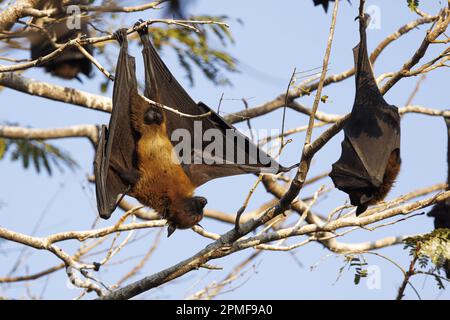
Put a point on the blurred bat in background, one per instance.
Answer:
(69, 64)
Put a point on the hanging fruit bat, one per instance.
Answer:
(441, 211)
(71, 62)
(139, 155)
(370, 158)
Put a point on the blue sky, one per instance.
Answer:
(275, 38)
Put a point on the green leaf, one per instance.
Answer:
(39, 152)
(36, 154)
(412, 4)
(433, 247)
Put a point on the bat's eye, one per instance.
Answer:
(202, 201)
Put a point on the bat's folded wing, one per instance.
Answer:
(115, 154)
(348, 172)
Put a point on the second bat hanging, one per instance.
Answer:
(370, 159)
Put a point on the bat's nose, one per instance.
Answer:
(203, 201)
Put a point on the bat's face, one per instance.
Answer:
(186, 213)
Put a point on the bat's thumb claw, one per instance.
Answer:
(121, 36)
(143, 30)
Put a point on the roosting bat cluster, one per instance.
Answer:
(160, 145)
(137, 154)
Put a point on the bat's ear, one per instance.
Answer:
(170, 230)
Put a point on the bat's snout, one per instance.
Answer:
(202, 201)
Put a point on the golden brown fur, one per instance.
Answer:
(163, 183)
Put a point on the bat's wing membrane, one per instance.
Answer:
(374, 133)
(115, 153)
(227, 159)
(348, 172)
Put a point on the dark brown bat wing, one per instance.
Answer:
(372, 132)
(115, 155)
(200, 165)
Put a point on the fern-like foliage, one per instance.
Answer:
(413, 4)
(41, 154)
(358, 264)
(195, 49)
(433, 247)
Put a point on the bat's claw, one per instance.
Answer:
(170, 230)
(97, 266)
(238, 218)
(142, 31)
(121, 35)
